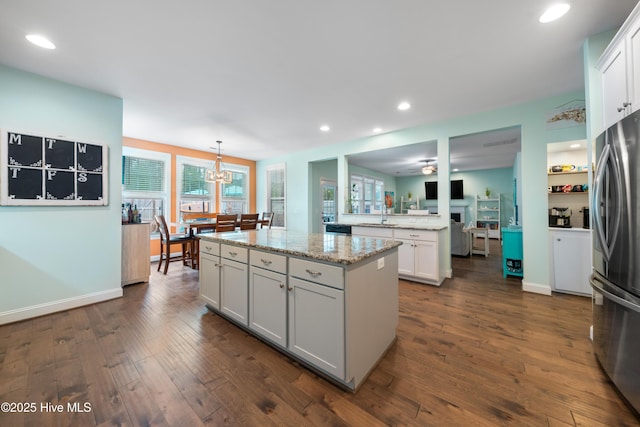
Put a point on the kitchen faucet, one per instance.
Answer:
(382, 212)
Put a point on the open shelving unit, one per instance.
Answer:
(488, 215)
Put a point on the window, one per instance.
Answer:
(367, 194)
(146, 182)
(235, 196)
(276, 194)
(193, 193)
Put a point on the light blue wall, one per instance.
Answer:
(531, 117)
(54, 257)
(499, 181)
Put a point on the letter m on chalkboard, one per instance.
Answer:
(15, 138)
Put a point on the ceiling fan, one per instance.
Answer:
(429, 169)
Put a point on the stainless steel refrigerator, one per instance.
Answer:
(616, 256)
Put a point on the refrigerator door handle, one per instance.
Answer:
(606, 160)
(621, 301)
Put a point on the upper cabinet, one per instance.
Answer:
(620, 67)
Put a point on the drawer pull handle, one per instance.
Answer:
(281, 285)
(314, 273)
(290, 288)
(208, 248)
(233, 253)
(265, 261)
(414, 235)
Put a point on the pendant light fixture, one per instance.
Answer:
(218, 174)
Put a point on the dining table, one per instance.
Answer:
(199, 226)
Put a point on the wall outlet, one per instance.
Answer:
(380, 263)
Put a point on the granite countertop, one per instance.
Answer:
(430, 227)
(329, 247)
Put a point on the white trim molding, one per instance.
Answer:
(536, 288)
(60, 305)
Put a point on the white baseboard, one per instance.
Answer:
(536, 288)
(60, 305)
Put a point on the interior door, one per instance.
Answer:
(329, 206)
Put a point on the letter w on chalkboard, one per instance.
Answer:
(40, 170)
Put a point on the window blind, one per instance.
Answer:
(140, 174)
(193, 183)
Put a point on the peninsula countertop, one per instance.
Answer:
(328, 247)
(407, 226)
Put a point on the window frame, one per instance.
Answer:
(197, 162)
(246, 190)
(165, 195)
(269, 170)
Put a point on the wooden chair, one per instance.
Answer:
(226, 222)
(248, 221)
(167, 240)
(267, 219)
(194, 216)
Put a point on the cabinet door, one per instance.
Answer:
(406, 257)
(268, 304)
(633, 67)
(614, 86)
(234, 301)
(571, 258)
(316, 325)
(210, 279)
(426, 260)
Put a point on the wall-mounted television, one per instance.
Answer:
(457, 190)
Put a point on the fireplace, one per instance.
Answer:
(457, 213)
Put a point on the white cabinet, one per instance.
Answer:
(316, 317)
(571, 261)
(488, 215)
(620, 68)
(268, 296)
(234, 283)
(210, 273)
(418, 255)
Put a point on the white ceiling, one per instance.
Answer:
(264, 75)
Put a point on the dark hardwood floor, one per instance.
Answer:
(476, 351)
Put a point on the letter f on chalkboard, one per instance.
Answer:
(50, 175)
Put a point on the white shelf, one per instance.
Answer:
(484, 207)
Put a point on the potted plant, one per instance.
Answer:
(487, 192)
(409, 195)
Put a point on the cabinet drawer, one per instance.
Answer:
(210, 248)
(268, 261)
(234, 252)
(324, 274)
(382, 233)
(427, 235)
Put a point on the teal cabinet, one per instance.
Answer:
(512, 251)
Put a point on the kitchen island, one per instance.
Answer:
(329, 301)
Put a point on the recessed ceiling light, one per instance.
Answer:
(455, 170)
(41, 41)
(575, 146)
(377, 130)
(325, 128)
(554, 12)
(404, 106)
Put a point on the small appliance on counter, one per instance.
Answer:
(585, 217)
(560, 217)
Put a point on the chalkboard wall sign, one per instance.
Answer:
(40, 170)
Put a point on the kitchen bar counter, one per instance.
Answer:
(329, 301)
(335, 248)
(407, 226)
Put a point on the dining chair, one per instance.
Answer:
(267, 219)
(248, 221)
(167, 240)
(226, 222)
